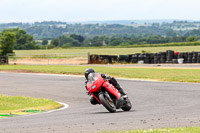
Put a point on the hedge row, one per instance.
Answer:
(169, 56)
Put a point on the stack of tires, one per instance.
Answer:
(130, 58)
(94, 59)
(104, 59)
(151, 58)
(140, 58)
(123, 59)
(157, 58)
(185, 56)
(169, 56)
(198, 57)
(147, 58)
(112, 58)
(163, 57)
(180, 56)
(134, 58)
(190, 55)
(194, 57)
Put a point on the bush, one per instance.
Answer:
(50, 46)
(66, 45)
(7, 41)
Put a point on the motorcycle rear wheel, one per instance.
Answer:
(109, 105)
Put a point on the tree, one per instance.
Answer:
(23, 40)
(7, 41)
(115, 42)
(96, 41)
(87, 42)
(77, 37)
(44, 42)
(50, 46)
(68, 40)
(66, 46)
(55, 41)
(191, 39)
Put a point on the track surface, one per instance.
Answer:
(156, 104)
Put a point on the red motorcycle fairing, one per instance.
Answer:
(95, 84)
(112, 89)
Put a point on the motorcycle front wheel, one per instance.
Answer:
(127, 105)
(107, 103)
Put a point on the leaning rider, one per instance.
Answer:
(112, 80)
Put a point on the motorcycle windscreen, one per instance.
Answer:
(95, 82)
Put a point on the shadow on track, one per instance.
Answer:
(114, 112)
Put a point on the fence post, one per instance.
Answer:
(7, 58)
(89, 58)
(48, 59)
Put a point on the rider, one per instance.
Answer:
(112, 80)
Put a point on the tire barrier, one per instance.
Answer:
(3, 60)
(123, 58)
(169, 56)
(103, 59)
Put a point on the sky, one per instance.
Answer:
(97, 10)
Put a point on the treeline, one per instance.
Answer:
(91, 30)
(51, 29)
(19, 39)
(79, 41)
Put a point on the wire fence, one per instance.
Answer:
(49, 59)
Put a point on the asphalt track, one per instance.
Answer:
(156, 105)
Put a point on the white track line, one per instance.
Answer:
(51, 111)
(62, 108)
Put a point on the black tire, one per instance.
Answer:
(127, 106)
(105, 103)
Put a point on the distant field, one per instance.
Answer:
(110, 51)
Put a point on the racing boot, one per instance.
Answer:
(114, 82)
(120, 90)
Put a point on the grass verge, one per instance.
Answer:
(164, 130)
(160, 74)
(18, 105)
(109, 51)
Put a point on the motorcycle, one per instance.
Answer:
(106, 94)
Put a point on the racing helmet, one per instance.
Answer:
(88, 71)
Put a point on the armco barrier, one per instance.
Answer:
(169, 56)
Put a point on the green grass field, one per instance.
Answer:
(160, 74)
(15, 104)
(163, 130)
(110, 51)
